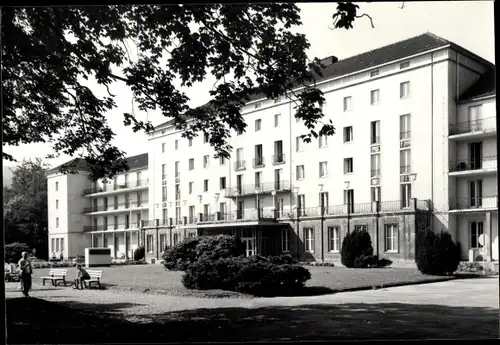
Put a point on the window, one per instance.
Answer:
(257, 124)
(149, 243)
(222, 160)
(300, 172)
(164, 215)
(404, 89)
(349, 199)
(374, 73)
(163, 242)
(258, 105)
(190, 187)
(223, 209)
(277, 118)
(139, 198)
(57, 244)
(474, 116)
(162, 147)
(323, 141)
(115, 222)
(361, 227)
(127, 221)
(115, 201)
(176, 144)
(375, 165)
(191, 214)
(391, 238)
(239, 154)
(205, 185)
(258, 160)
(206, 158)
(298, 144)
(258, 179)
(57, 222)
(279, 157)
(206, 138)
(105, 226)
(323, 200)
(475, 193)
(285, 240)
(53, 245)
(177, 171)
(323, 169)
(309, 239)
(404, 65)
(375, 191)
(375, 132)
(348, 165)
(347, 103)
(405, 161)
(190, 142)
(348, 135)
(222, 182)
(57, 186)
(405, 195)
(374, 97)
(191, 163)
(333, 239)
(105, 202)
(57, 204)
(177, 191)
(164, 193)
(176, 239)
(301, 204)
(163, 171)
(404, 127)
(476, 230)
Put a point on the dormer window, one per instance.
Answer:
(404, 65)
(374, 73)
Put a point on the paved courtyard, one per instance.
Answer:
(453, 309)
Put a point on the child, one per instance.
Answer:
(82, 275)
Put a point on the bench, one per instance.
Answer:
(56, 275)
(95, 278)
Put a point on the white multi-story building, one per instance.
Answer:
(83, 213)
(415, 148)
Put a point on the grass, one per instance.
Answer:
(154, 279)
(38, 321)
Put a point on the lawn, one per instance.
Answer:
(154, 279)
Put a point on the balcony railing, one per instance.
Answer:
(474, 202)
(489, 162)
(486, 124)
(404, 135)
(241, 215)
(405, 169)
(262, 188)
(110, 188)
(240, 165)
(110, 227)
(278, 158)
(112, 207)
(258, 162)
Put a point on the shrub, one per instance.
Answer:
(437, 254)
(357, 250)
(256, 275)
(139, 253)
(180, 256)
(13, 251)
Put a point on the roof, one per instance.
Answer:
(79, 164)
(485, 86)
(395, 51)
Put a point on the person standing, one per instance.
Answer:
(26, 269)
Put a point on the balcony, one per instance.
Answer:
(477, 167)
(258, 162)
(240, 165)
(474, 204)
(239, 216)
(113, 227)
(279, 159)
(478, 129)
(263, 188)
(115, 208)
(135, 185)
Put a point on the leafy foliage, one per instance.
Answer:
(178, 257)
(50, 56)
(139, 253)
(25, 207)
(357, 249)
(13, 251)
(254, 275)
(437, 253)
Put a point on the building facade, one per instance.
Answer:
(415, 148)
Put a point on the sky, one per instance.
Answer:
(393, 21)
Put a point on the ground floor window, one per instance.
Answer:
(285, 240)
(149, 243)
(391, 237)
(249, 240)
(176, 239)
(333, 238)
(95, 244)
(309, 239)
(163, 239)
(476, 230)
(105, 240)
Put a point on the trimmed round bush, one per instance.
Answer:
(437, 254)
(139, 253)
(178, 257)
(357, 250)
(13, 251)
(254, 275)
